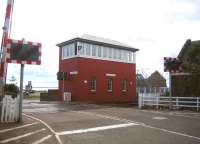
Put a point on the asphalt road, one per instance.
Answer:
(75, 123)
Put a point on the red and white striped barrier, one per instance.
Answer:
(6, 35)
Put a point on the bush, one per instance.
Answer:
(11, 89)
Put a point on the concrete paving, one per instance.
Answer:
(78, 123)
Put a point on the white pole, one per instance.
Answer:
(177, 103)
(21, 92)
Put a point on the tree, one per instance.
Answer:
(191, 60)
(11, 89)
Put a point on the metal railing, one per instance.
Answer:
(161, 90)
(151, 99)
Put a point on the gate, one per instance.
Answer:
(10, 109)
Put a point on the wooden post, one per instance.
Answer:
(170, 91)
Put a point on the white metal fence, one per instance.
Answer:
(150, 99)
(160, 90)
(10, 109)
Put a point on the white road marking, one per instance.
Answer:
(22, 136)
(10, 129)
(57, 137)
(126, 121)
(140, 123)
(172, 114)
(96, 129)
(42, 139)
(108, 117)
(173, 132)
(159, 118)
(186, 116)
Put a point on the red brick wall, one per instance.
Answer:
(88, 68)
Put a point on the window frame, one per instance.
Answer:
(93, 50)
(110, 53)
(87, 49)
(104, 49)
(80, 49)
(124, 85)
(99, 51)
(110, 84)
(93, 84)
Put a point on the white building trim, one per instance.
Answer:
(111, 75)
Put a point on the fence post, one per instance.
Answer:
(143, 96)
(140, 101)
(3, 109)
(177, 104)
(157, 102)
(197, 103)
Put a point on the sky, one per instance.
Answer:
(158, 28)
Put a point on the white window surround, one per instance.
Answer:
(112, 54)
(111, 75)
(73, 72)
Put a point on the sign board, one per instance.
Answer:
(172, 65)
(23, 52)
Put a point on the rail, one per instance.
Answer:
(150, 99)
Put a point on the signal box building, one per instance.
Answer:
(97, 70)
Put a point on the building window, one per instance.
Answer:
(133, 57)
(71, 50)
(80, 48)
(104, 52)
(110, 85)
(125, 56)
(115, 53)
(110, 53)
(93, 84)
(99, 51)
(64, 52)
(119, 55)
(124, 85)
(87, 47)
(129, 57)
(67, 51)
(94, 50)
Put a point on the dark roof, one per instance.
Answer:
(98, 41)
(188, 44)
(157, 80)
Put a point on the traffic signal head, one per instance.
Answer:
(61, 75)
(172, 65)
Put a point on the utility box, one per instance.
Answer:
(67, 96)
